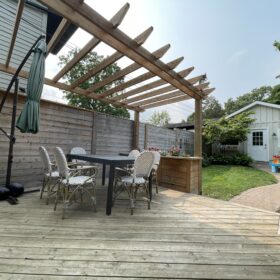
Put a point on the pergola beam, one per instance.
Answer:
(146, 76)
(151, 85)
(115, 21)
(88, 19)
(140, 39)
(198, 139)
(136, 130)
(15, 30)
(127, 70)
(64, 24)
(66, 87)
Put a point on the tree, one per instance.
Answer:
(211, 109)
(90, 61)
(258, 94)
(274, 96)
(228, 131)
(276, 44)
(160, 118)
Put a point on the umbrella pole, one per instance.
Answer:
(11, 137)
(12, 134)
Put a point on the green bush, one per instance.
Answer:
(206, 161)
(238, 159)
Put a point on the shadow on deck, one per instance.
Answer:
(183, 236)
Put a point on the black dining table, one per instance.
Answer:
(112, 161)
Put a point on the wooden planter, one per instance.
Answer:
(180, 173)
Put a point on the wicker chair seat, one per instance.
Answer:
(78, 180)
(131, 180)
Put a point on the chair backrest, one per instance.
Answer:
(61, 163)
(143, 164)
(78, 151)
(157, 160)
(134, 153)
(157, 157)
(46, 159)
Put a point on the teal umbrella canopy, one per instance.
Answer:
(29, 119)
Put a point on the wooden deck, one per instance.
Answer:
(183, 236)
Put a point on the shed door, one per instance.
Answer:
(258, 144)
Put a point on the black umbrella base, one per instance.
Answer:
(10, 192)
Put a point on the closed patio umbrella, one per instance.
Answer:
(29, 118)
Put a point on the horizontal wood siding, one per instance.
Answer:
(114, 135)
(32, 25)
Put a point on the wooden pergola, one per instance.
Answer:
(170, 87)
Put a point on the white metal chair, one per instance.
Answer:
(134, 153)
(81, 163)
(124, 171)
(51, 175)
(72, 182)
(139, 179)
(155, 168)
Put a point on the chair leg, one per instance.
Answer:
(94, 197)
(156, 183)
(65, 200)
(132, 198)
(48, 191)
(56, 197)
(148, 196)
(43, 187)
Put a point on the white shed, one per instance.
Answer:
(264, 137)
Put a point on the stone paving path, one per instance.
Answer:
(266, 197)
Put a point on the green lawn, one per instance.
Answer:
(225, 182)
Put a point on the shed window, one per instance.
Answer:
(257, 138)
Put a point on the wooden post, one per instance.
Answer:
(94, 133)
(198, 139)
(146, 139)
(135, 144)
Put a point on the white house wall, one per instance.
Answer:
(266, 117)
(26, 36)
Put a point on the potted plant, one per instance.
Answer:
(276, 159)
(174, 151)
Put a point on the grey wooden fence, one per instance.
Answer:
(67, 127)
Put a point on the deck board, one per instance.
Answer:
(183, 236)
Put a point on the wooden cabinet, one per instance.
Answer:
(180, 173)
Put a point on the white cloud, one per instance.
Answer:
(53, 94)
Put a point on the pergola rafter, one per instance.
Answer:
(175, 99)
(64, 24)
(127, 70)
(115, 21)
(146, 87)
(134, 81)
(140, 39)
(156, 92)
(15, 30)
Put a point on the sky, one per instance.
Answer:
(229, 40)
